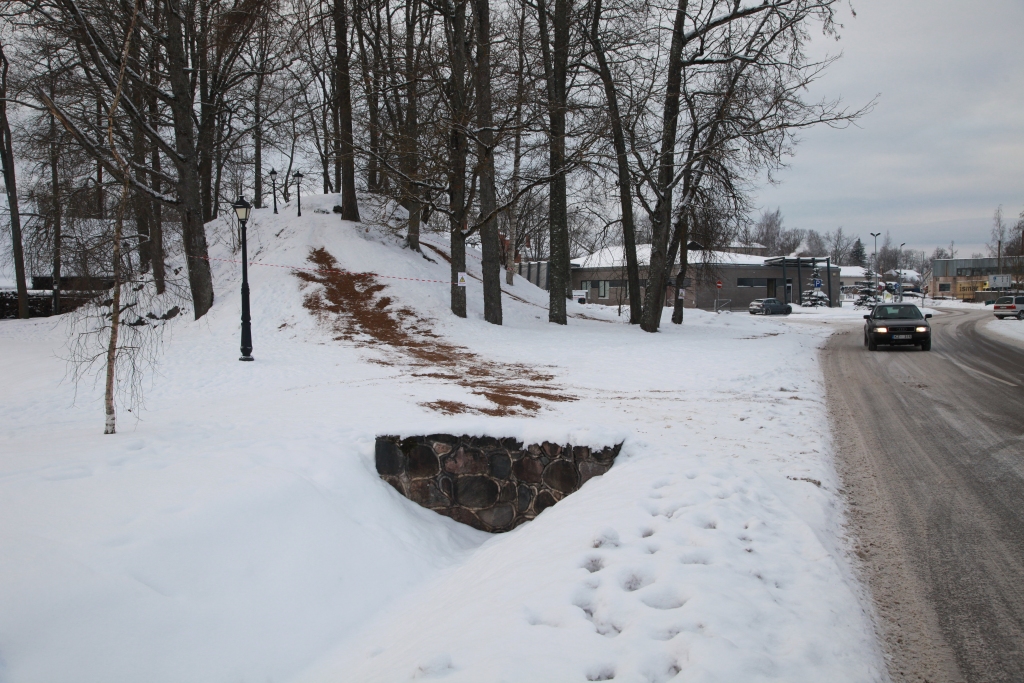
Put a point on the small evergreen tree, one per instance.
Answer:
(814, 296)
(857, 255)
(867, 293)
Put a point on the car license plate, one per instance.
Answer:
(902, 336)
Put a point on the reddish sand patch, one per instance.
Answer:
(350, 304)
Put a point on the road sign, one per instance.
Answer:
(461, 280)
(718, 284)
(817, 284)
(999, 281)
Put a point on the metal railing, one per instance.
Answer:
(721, 304)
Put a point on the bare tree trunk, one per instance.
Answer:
(100, 201)
(684, 253)
(517, 151)
(343, 93)
(115, 324)
(7, 161)
(207, 114)
(655, 293)
(489, 242)
(257, 135)
(622, 167)
(55, 210)
(556, 57)
(141, 204)
(411, 133)
(189, 188)
(458, 152)
(156, 226)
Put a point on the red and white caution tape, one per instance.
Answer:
(323, 270)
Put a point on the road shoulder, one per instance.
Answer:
(906, 624)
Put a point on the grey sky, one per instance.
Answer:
(945, 144)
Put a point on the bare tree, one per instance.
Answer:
(10, 184)
(838, 245)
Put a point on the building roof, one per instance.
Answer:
(908, 274)
(852, 271)
(614, 257)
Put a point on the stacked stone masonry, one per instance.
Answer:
(490, 484)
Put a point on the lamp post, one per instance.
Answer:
(242, 209)
(875, 235)
(899, 269)
(273, 182)
(298, 189)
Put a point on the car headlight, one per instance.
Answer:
(881, 329)
(921, 329)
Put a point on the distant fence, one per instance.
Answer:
(536, 272)
(74, 292)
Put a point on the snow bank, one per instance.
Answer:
(239, 532)
(1008, 329)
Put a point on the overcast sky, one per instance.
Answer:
(945, 144)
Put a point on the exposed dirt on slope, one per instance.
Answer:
(353, 307)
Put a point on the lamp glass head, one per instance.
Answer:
(242, 208)
(297, 175)
(273, 173)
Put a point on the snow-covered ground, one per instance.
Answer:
(237, 531)
(1008, 328)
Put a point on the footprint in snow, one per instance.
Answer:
(607, 539)
(604, 627)
(635, 580)
(438, 667)
(601, 673)
(663, 599)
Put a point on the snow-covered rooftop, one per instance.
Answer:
(614, 257)
(908, 274)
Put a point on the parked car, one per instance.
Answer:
(1009, 307)
(897, 324)
(769, 306)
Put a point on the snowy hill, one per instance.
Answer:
(239, 531)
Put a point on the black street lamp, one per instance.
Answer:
(899, 266)
(298, 189)
(273, 181)
(242, 209)
(875, 235)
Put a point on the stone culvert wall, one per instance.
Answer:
(491, 484)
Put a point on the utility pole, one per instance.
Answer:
(875, 235)
(899, 267)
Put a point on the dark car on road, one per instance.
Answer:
(897, 324)
(768, 307)
(1009, 307)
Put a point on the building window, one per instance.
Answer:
(752, 282)
(944, 286)
(584, 285)
(602, 289)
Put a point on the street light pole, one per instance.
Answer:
(273, 181)
(899, 266)
(298, 189)
(875, 235)
(242, 209)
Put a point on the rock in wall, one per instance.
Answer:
(491, 484)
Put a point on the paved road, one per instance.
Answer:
(931, 448)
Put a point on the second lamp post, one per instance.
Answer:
(273, 180)
(242, 209)
(298, 189)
